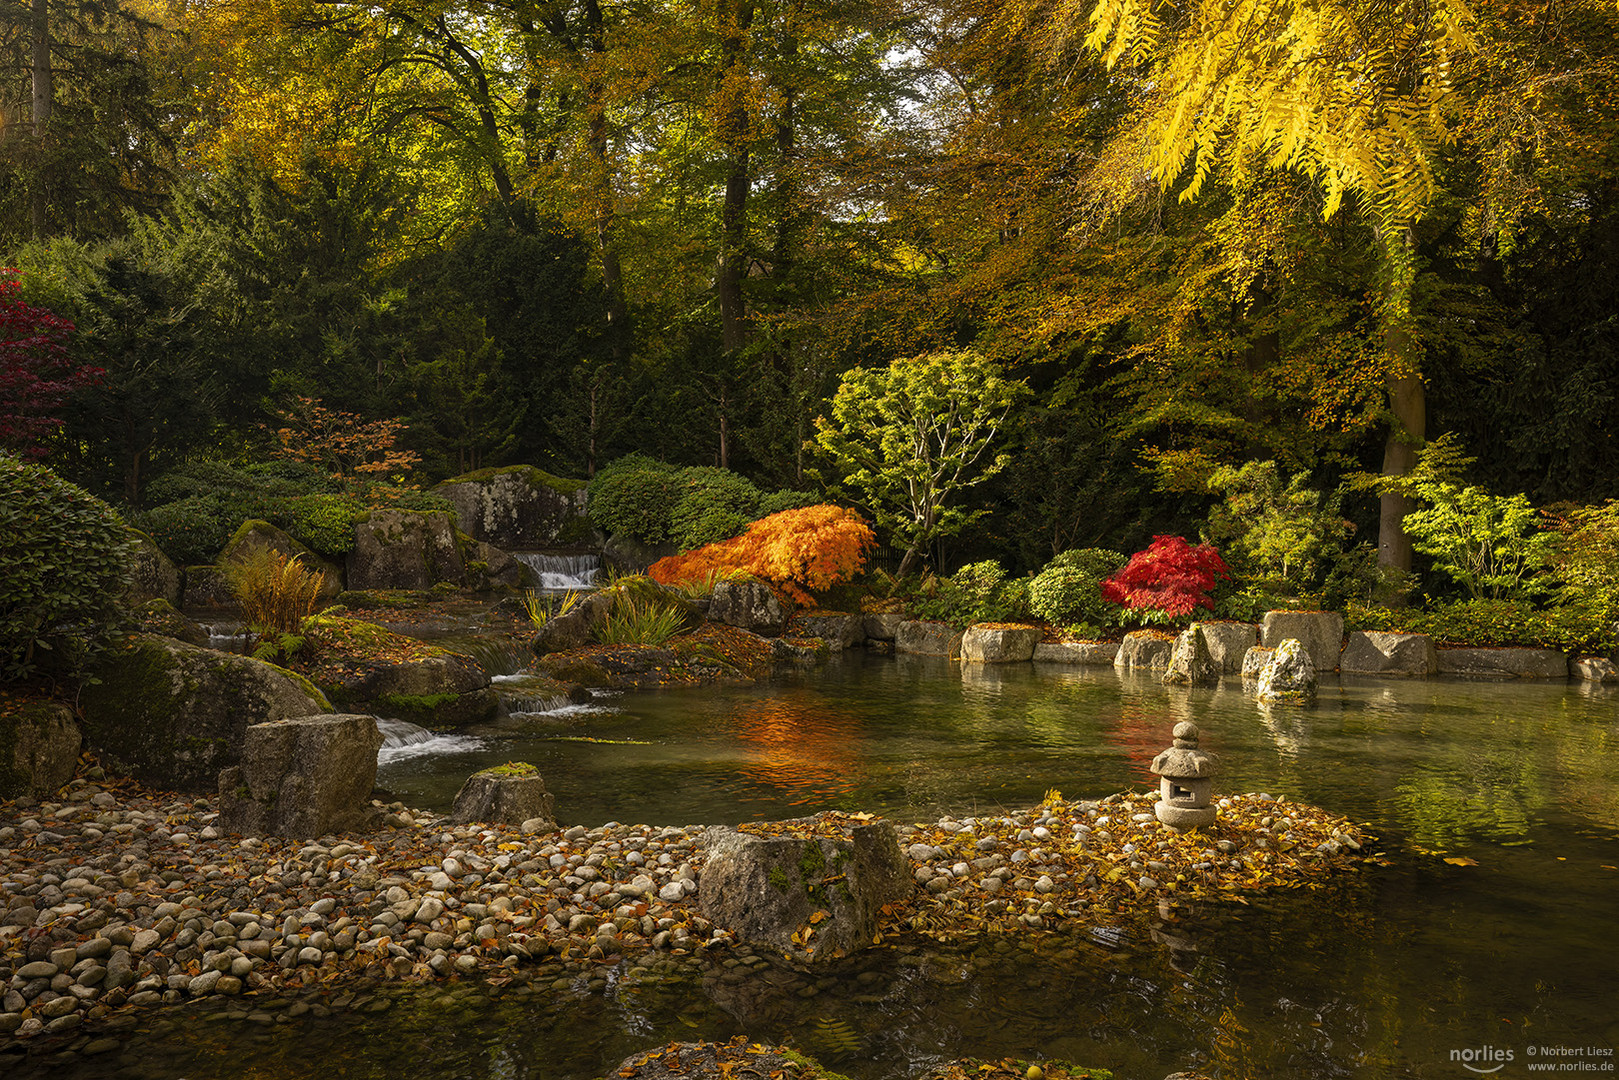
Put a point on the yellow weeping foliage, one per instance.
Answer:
(1358, 95)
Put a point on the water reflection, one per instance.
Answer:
(809, 751)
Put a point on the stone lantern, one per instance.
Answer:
(1186, 781)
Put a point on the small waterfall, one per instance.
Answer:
(528, 706)
(226, 637)
(561, 571)
(403, 740)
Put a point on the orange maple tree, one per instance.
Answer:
(798, 551)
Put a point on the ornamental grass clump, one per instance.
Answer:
(276, 592)
(635, 620)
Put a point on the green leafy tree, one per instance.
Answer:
(1275, 528)
(1492, 545)
(911, 439)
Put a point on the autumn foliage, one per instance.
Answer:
(1170, 577)
(342, 443)
(813, 548)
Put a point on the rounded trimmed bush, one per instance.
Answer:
(633, 497)
(65, 559)
(714, 505)
(1068, 591)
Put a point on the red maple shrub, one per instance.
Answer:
(1171, 577)
(36, 374)
(813, 548)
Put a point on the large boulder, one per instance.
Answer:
(1504, 663)
(152, 574)
(258, 536)
(518, 508)
(1254, 661)
(491, 568)
(1374, 652)
(159, 617)
(302, 777)
(206, 589)
(1190, 663)
(749, 605)
(1289, 674)
(925, 638)
(808, 895)
(39, 748)
(999, 644)
(365, 668)
(882, 625)
(1320, 632)
(1096, 653)
(405, 549)
(1596, 669)
(1144, 650)
(173, 715)
(511, 794)
(1228, 643)
(838, 629)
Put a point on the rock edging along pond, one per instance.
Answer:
(120, 897)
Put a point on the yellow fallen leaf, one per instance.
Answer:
(1459, 861)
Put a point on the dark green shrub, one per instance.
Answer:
(192, 530)
(775, 502)
(714, 505)
(1099, 563)
(634, 497)
(64, 560)
(324, 523)
(1493, 623)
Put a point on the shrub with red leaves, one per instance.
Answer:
(1170, 577)
(36, 374)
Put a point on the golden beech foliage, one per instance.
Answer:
(798, 551)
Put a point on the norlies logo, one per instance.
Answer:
(1474, 1058)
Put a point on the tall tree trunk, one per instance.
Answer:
(44, 96)
(1408, 407)
(605, 211)
(736, 18)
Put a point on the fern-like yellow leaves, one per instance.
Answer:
(1355, 94)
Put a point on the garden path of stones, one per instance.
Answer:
(113, 898)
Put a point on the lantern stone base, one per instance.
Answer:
(1184, 817)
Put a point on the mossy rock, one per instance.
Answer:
(152, 574)
(173, 715)
(255, 536)
(519, 507)
(406, 549)
(159, 617)
(39, 747)
(365, 667)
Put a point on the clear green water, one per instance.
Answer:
(1383, 976)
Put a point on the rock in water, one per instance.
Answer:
(999, 645)
(749, 605)
(302, 777)
(810, 897)
(1288, 675)
(1191, 664)
(505, 795)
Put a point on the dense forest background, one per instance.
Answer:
(556, 233)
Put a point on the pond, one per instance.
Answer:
(1411, 969)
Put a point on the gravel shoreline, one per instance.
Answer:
(114, 898)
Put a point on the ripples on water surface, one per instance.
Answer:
(1382, 976)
